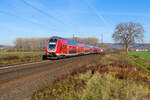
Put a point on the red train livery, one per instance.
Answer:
(58, 47)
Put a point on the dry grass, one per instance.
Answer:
(108, 87)
(22, 58)
(109, 78)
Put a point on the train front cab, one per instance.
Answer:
(51, 48)
(60, 48)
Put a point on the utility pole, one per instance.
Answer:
(102, 39)
(101, 44)
(73, 37)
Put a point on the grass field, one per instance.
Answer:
(145, 55)
(139, 59)
(19, 57)
(14, 53)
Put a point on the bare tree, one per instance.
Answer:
(128, 33)
(30, 44)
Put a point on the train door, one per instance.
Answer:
(61, 51)
(70, 49)
(64, 47)
(76, 49)
(67, 49)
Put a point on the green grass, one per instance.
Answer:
(15, 58)
(139, 59)
(145, 55)
(14, 53)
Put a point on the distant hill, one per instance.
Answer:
(4, 46)
(141, 46)
(112, 46)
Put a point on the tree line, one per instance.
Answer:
(39, 44)
(30, 44)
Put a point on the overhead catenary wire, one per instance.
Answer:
(42, 12)
(22, 18)
(70, 22)
(11, 14)
(99, 15)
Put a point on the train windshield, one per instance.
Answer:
(52, 46)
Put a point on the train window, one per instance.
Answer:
(50, 40)
(52, 46)
(53, 40)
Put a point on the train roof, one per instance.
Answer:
(72, 42)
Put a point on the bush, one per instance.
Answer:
(111, 77)
(16, 58)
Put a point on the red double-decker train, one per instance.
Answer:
(58, 47)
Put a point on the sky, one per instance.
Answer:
(83, 18)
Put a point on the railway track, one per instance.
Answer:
(19, 82)
(18, 64)
(19, 71)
